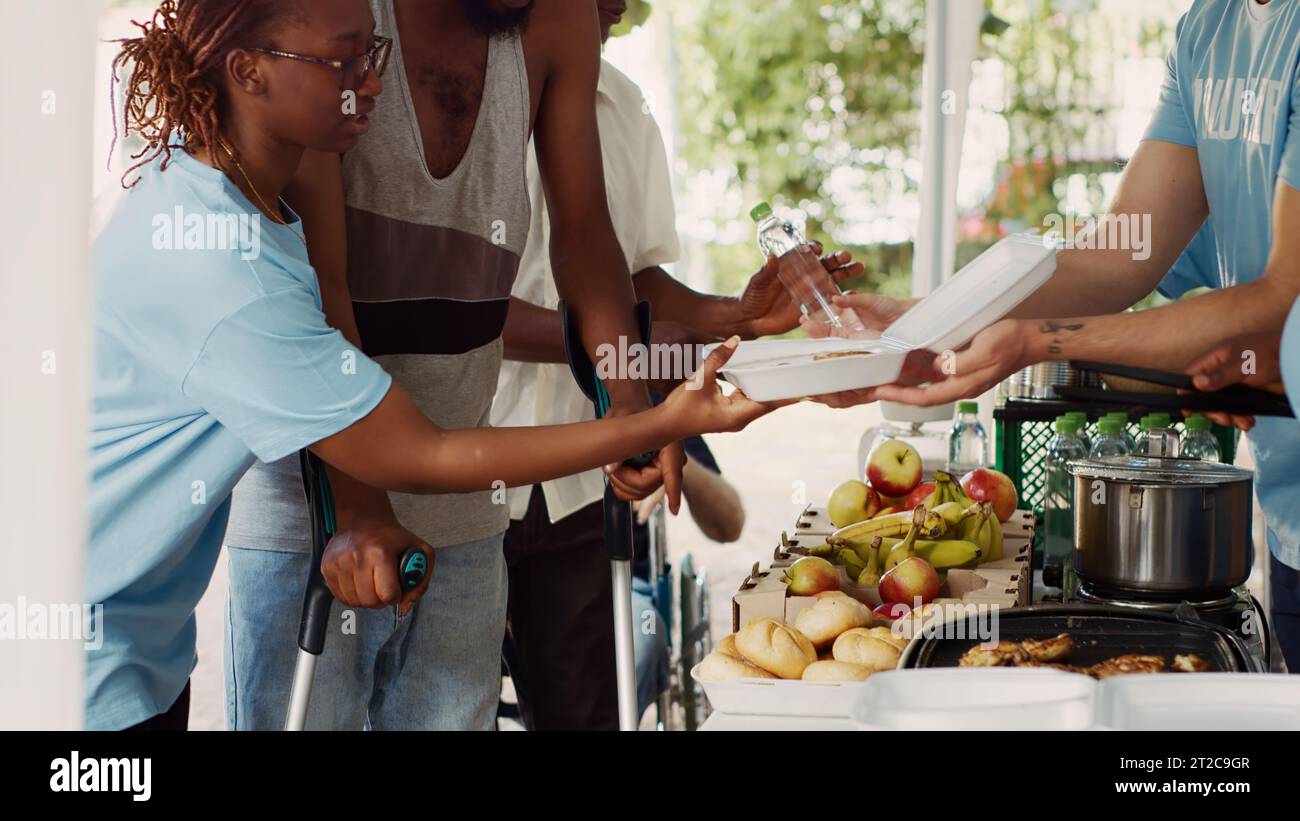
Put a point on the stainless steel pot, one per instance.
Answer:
(1158, 526)
(1040, 381)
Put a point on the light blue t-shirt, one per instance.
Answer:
(1231, 92)
(1291, 357)
(210, 349)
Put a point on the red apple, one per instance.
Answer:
(909, 580)
(918, 495)
(852, 501)
(894, 468)
(892, 610)
(811, 575)
(988, 485)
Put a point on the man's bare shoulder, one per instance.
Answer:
(556, 27)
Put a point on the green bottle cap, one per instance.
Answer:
(968, 407)
(1119, 416)
(760, 212)
(1160, 420)
(1109, 424)
(1144, 423)
(1079, 415)
(1065, 424)
(1197, 422)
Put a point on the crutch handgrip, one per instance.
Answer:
(412, 567)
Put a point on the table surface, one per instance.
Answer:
(727, 722)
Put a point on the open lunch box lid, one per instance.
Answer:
(981, 293)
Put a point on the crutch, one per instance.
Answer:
(316, 600)
(618, 518)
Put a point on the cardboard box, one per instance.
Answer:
(1003, 583)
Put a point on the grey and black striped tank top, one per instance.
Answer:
(431, 263)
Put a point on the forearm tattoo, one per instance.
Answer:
(1051, 326)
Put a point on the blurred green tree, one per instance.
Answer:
(781, 97)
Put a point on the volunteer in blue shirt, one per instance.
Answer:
(1274, 365)
(211, 347)
(1224, 144)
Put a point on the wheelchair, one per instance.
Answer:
(681, 704)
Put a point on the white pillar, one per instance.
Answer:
(47, 82)
(951, 37)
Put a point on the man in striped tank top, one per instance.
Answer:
(416, 237)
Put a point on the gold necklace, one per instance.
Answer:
(258, 194)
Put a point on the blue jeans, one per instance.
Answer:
(1284, 590)
(651, 644)
(437, 668)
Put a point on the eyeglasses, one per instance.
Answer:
(352, 73)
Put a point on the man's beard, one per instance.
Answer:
(495, 23)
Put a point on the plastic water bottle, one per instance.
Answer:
(968, 444)
(1081, 419)
(801, 272)
(1058, 507)
(1109, 441)
(1155, 437)
(1122, 418)
(1199, 443)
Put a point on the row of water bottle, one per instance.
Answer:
(1155, 438)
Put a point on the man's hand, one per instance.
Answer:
(631, 483)
(994, 354)
(766, 307)
(646, 507)
(875, 312)
(997, 352)
(1253, 360)
(360, 566)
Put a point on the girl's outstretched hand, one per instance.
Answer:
(698, 405)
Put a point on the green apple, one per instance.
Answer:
(852, 502)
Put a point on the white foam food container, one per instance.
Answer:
(981, 293)
(1200, 701)
(780, 697)
(975, 698)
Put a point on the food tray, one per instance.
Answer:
(1099, 633)
(990, 698)
(1202, 701)
(978, 295)
(780, 697)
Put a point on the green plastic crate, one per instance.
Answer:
(1023, 430)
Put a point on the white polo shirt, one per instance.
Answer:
(639, 190)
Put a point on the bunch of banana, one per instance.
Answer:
(942, 553)
(852, 562)
(871, 574)
(894, 525)
(954, 514)
(985, 531)
(946, 489)
(906, 549)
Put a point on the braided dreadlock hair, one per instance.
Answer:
(176, 83)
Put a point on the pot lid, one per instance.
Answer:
(1159, 470)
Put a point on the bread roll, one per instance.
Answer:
(888, 635)
(778, 649)
(835, 671)
(727, 647)
(719, 667)
(832, 613)
(858, 646)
